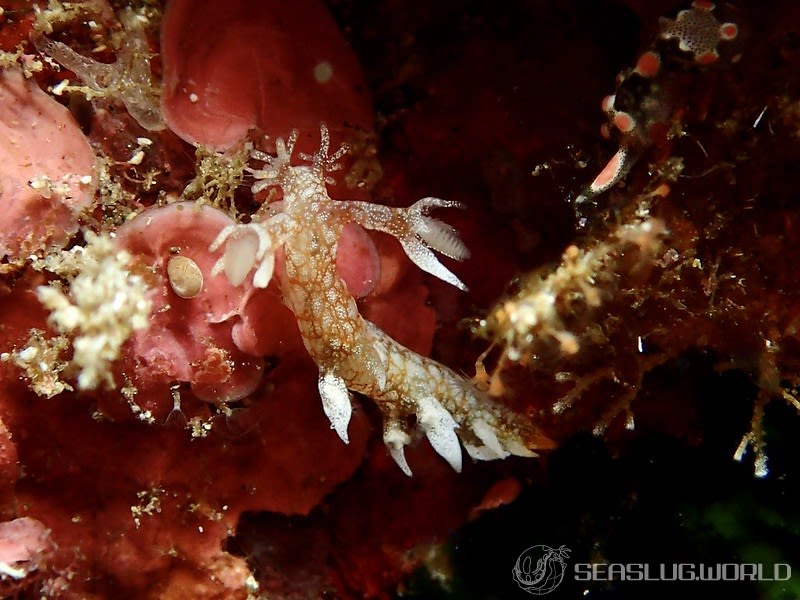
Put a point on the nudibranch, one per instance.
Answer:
(413, 392)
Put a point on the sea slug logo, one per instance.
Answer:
(540, 569)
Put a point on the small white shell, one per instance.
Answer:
(185, 277)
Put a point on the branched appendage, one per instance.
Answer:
(248, 245)
(322, 161)
(754, 438)
(129, 79)
(770, 385)
(275, 167)
(418, 233)
(352, 353)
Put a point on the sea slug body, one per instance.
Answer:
(351, 352)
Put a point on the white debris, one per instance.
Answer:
(103, 305)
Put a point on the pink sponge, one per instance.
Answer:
(46, 165)
(188, 339)
(271, 65)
